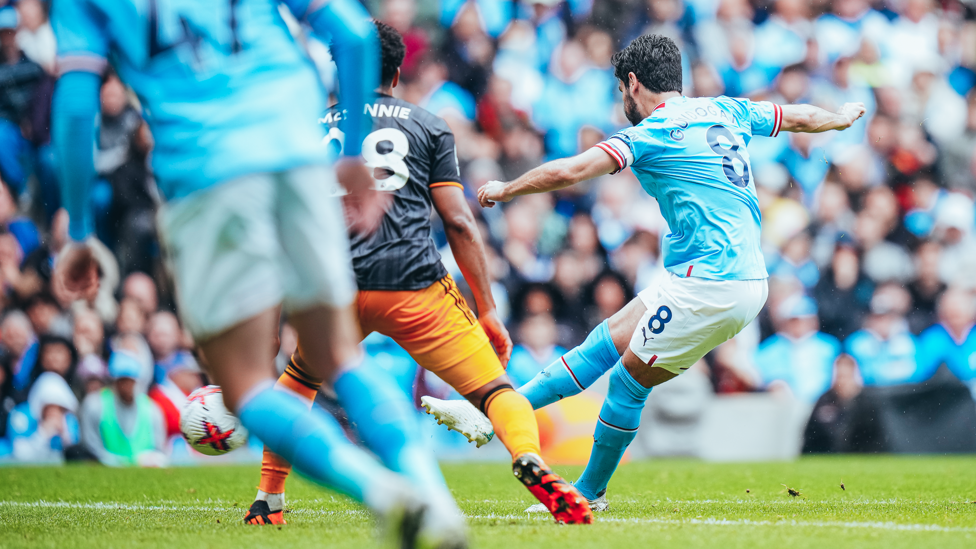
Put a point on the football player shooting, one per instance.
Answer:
(690, 154)
(406, 293)
(249, 224)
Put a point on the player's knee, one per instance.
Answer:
(645, 373)
(623, 323)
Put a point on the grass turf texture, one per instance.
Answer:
(889, 501)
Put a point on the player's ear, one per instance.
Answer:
(632, 82)
(396, 78)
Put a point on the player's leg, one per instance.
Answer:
(269, 503)
(685, 319)
(513, 421)
(586, 363)
(619, 419)
(310, 439)
(444, 336)
(224, 252)
(314, 242)
(568, 376)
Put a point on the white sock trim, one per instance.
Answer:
(276, 502)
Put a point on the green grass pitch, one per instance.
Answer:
(888, 502)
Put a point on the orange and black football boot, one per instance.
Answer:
(564, 501)
(260, 513)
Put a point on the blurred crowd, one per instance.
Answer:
(868, 234)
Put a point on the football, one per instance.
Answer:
(208, 425)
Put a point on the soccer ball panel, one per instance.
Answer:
(208, 426)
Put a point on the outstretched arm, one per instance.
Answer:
(810, 119)
(355, 48)
(469, 252)
(550, 176)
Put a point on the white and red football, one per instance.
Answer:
(208, 425)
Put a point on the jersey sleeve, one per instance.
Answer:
(82, 37)
(444, 169)
(620, 148)
(765, 118)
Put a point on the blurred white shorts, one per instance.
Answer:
(688, 317)
(244, 246)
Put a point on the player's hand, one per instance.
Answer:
(498, 335)
(364, 206)
(76, 272)
(849, 113)
(491, 192)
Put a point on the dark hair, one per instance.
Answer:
(49, 340)
(654, 59)
(392, 51)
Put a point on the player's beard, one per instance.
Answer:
(630, 110)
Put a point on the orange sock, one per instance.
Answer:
(274, 469)
(514, 421)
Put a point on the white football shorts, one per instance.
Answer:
(247, 245)
(688, 317)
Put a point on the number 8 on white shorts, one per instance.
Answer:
(688, 317)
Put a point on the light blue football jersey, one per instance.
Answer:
(226, 89)
(690, 154)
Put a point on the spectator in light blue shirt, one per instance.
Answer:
(885, 348)
(953, 340)
(537, 349)
(575, 94)
(799, 355)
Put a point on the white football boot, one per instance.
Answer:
(461, 416)
(597, 505)
(409, 519)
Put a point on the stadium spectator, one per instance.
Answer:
(26, 237)
(957, 155)
(35, 37)
(884, 349)
(536, 349)
(165, 338)
(19, 78)
(57, 355)
(132, 319)
(952, 341)
(20, 350)
(799, 355)
(927, 288)
(89, 341)
(122, 198)
(41, 429)
(141, 288)
(120, 425)
(35, 274)
(827, 429)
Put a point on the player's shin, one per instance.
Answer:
(615, 430)
(574, 371)
(386, 421)
(313, 442)
(514, 422)
(274, 469)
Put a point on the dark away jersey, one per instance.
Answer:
(410, 151)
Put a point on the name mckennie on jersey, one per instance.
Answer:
(374, 110)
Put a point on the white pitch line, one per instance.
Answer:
(891, 526)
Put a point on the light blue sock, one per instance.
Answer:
(312, 442)
(387, 422)
(615, 430)
(574, 371)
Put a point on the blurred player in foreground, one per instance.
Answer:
(406, 293)
(690, 154)
(249, 224)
